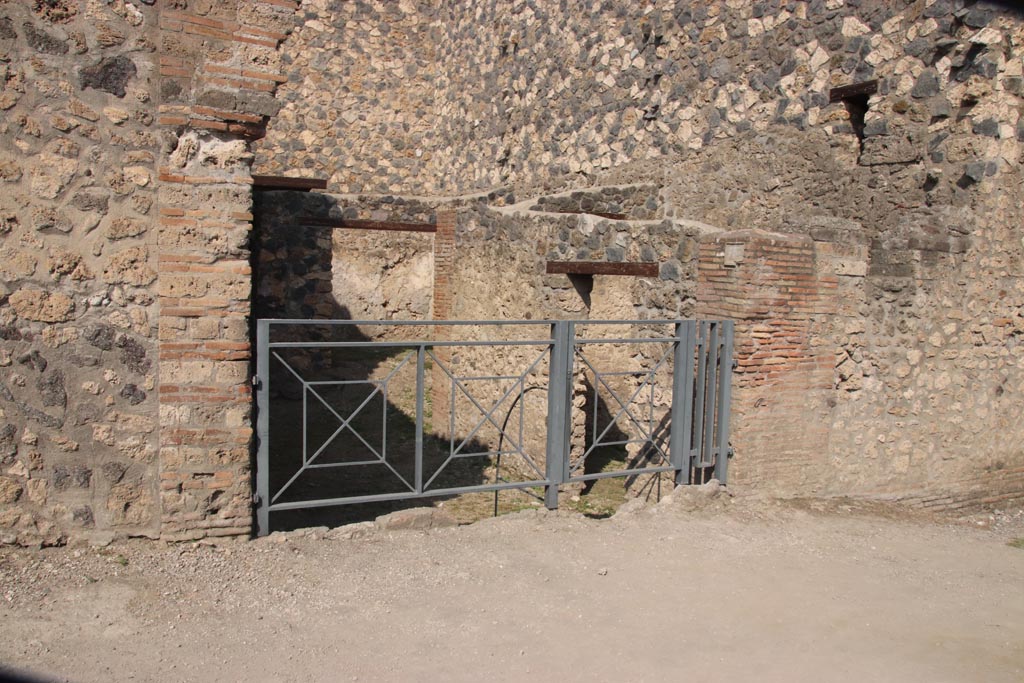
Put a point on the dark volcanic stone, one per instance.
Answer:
(109, 75)
(975, 171)
(7, 31)
(133, 354)
(876, 127)
(51, 389)
(979, 16)
(113, 472)
(40, 41)
(922, 48)
(940, 109)
(8, 446)
(927, 84)
(75, 476)
(90, 200)
(83, 515)
(133, 393)
(101, 336)
(989, 127)
(940, 8)
(34, 360)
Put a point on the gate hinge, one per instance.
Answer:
(256, 383)
(731, 452)
(735, 363)
(256, 499)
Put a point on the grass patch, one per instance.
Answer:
(1017, 543)
(472, 507)
(604, 496)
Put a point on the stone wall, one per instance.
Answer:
(78, 314)
(555, 131)
(317, 271)
(508, 101)
(124, 296)
(368, 69)
(906, 200)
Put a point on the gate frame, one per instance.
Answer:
(701, 441)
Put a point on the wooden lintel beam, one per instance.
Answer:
(856, 89)
(645, 269)
(356, 224)
(602, 214)
(276, 182)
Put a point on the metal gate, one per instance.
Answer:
(346, 416)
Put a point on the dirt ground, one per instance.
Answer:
(723, 589)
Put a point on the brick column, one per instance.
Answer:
(768, 284)
(204, 294)
(444, 262)
(219, 69)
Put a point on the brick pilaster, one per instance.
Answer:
(444, 263)
(218, 76)
(204, 293)
(768, 284)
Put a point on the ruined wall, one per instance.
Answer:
(78, 416)
(910, 198)
(124, 274)
(318, 271)
(928, 374)
(557, 131)
(782, 388)
(384, 277)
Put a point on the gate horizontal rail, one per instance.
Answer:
(692, 365)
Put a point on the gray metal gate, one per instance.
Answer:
(657, 389)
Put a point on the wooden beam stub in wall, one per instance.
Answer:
(280, 182)
(843, 92)
(602, 214)
(645, 269)
(356, 224)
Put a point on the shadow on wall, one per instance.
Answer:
(328, 440)
(604, 415)
(348, 429)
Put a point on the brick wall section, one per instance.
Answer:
(220, 67)
(204, 356)
(784, 376)
(218, 73)
(444, 266)
(444, 262)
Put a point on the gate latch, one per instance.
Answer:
(256, 382)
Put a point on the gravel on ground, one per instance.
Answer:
(702, 586)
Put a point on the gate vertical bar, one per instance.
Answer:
(712, 375)
(682, 400)
(697, 433)
(570, 360)
(724, 402)
(262, 427)
(421, 389)
(559, 399)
